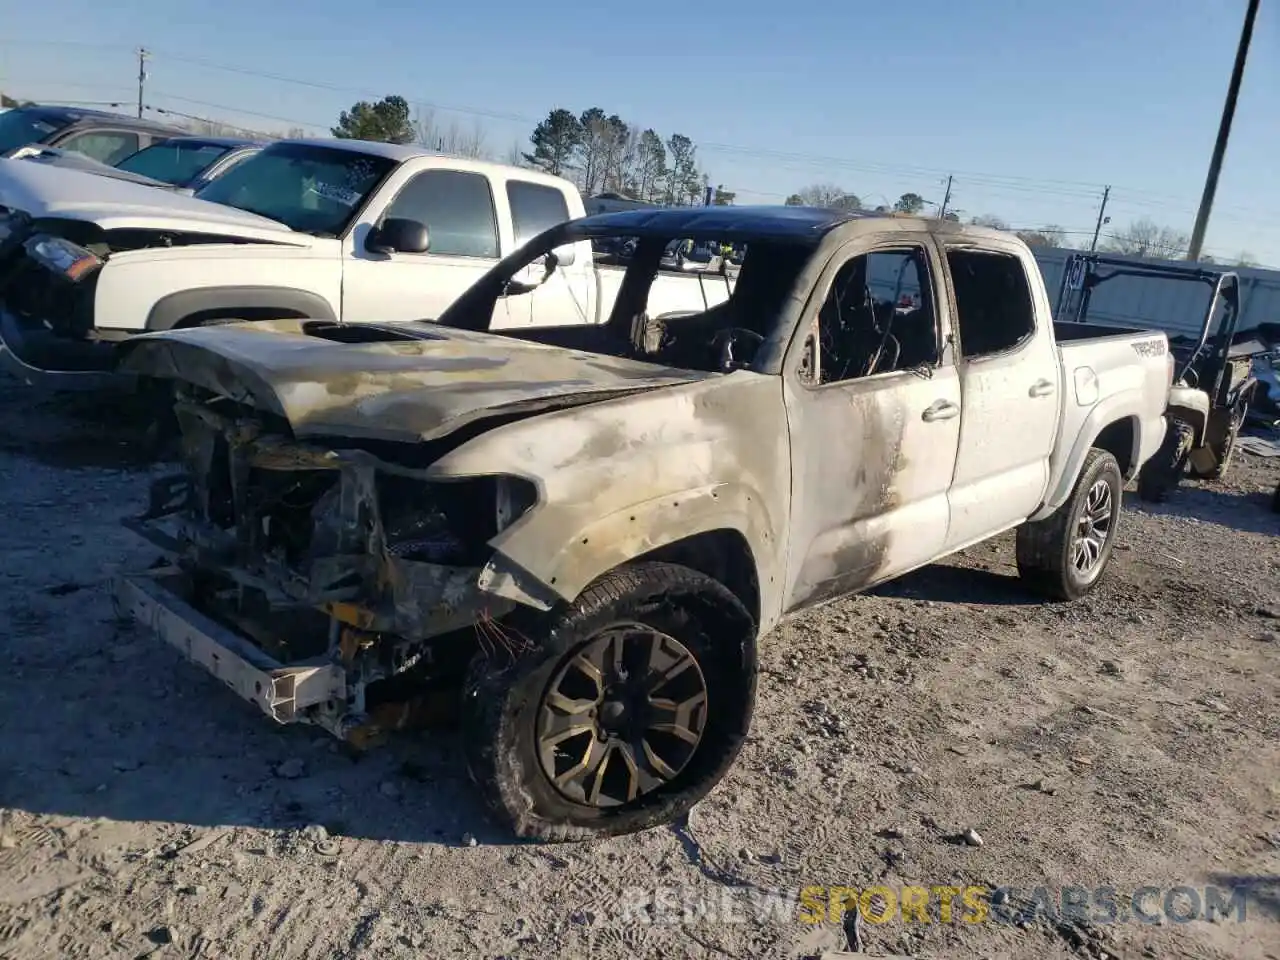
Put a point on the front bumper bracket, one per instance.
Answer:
(284, 692)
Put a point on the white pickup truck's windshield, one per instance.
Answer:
(21, 127)
(311, 189)
(175, 163)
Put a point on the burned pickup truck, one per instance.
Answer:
(583, 532)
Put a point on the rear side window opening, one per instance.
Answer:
(534, 208)
(993, 302)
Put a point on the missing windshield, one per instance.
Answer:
(695, 303)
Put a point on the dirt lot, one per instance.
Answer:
(1129, 740)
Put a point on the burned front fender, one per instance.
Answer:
(621, 479)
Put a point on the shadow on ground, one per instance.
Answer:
(108, 429)
(131, 732)
(1246, 512)
(945, 583)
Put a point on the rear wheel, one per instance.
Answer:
(1162, 473)
(1064, 555)
(628, 707)
(1222, 452)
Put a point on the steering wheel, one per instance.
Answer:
(726, 339)
(886, 337)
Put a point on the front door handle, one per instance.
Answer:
(1042, 388)
(940, 410)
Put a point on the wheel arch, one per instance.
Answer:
(192, 307)
(1120, 439)
(722, 554)
(720, 531)
(1114, 426)
(1191, 406)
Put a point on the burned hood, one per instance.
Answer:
(424, 384)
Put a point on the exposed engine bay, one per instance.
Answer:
(330, 556)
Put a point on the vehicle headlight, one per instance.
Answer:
(449, 522)
(62, 256)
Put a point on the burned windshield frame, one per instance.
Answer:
(771, 279)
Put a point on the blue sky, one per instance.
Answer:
(1031, 105)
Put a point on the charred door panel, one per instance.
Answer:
(874, 428)
(871, 476)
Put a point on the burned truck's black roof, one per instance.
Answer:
(799, 224)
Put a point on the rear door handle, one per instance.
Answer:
(1042, 388)
(940, 410)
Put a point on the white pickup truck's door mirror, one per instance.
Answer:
(398, 235)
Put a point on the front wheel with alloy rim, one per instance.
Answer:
(1065, 554)
(622, 711)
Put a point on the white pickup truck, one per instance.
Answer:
(585, 531)
(331, 229)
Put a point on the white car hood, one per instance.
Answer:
(42, 190)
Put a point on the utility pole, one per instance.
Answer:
(142, 76)
(1224, 131)
(1106, 193)
(942, 210)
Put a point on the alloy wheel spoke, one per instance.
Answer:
(681, 718)
(623, 716)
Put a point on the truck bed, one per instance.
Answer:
(1067, 332)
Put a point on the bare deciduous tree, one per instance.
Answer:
(990, 220)
(1146, 238)
(826, 195)
(452, 140)
(1046, 236)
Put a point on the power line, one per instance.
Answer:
(1061, 187)
(343, 88)
(238, 110)
(995, 183)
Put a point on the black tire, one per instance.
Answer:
(503, 700)
(1161, 474)
(1275, 500)
(1223, 454)
(1045, 548)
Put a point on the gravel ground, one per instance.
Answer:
(948, 730)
